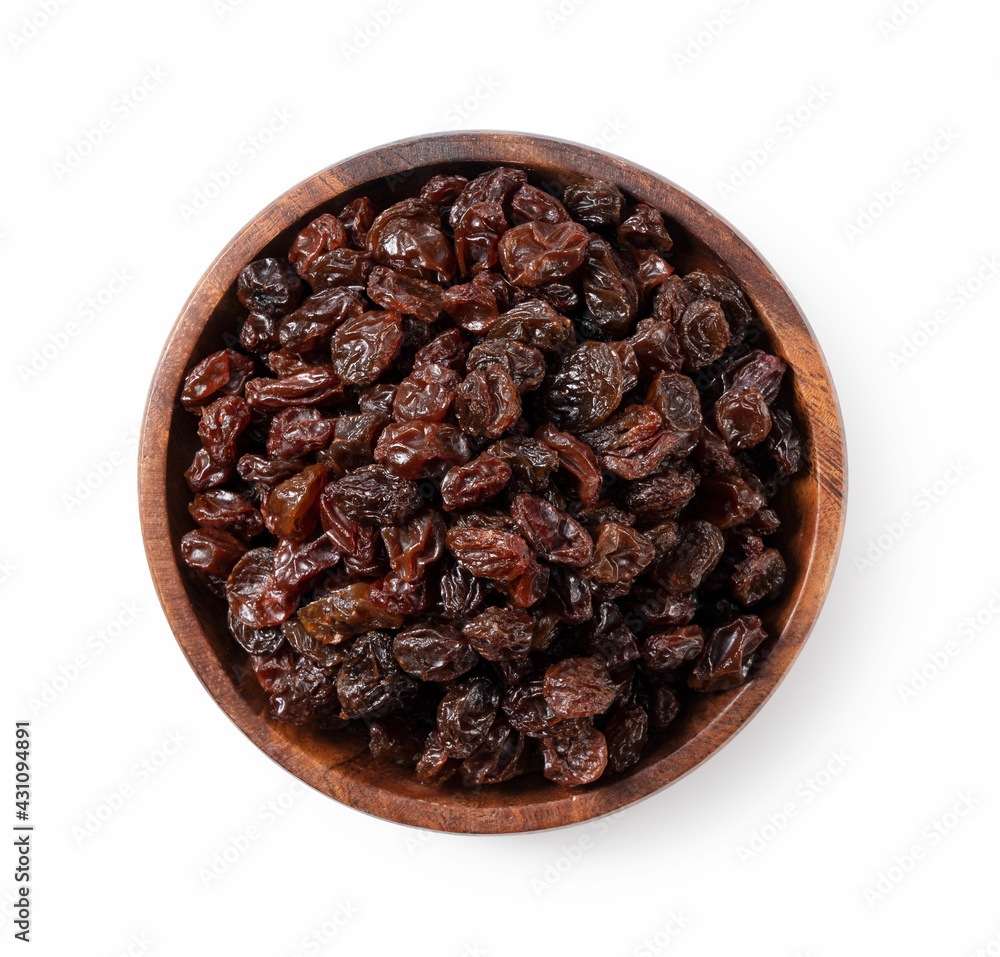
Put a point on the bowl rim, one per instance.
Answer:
(565, 806)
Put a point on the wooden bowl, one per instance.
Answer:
(812, 504)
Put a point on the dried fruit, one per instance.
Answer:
(477, 503)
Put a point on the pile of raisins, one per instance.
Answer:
(489, 480)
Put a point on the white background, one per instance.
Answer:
(716, 864)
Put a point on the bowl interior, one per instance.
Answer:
(338, 763)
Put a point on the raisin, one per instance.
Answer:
(576, 755)
(370, 683)
(620, 554)
(609, 289)
(353, 443)
(426, 393)
(225, 509)
(698, 550)
(524, 364)
(676, 398)
(297, 430)
(704, 333)
(477, 234)
(415, 545)
(496, 186)
(434, 652)
(503, 754)
(364, 346)
(397, 597)
(531, 204)
(499, 633)
(742, 417)
(322, 235)
(222, 373)
(474, 483)
(727, 500)
(595, 202)
(538, 252)
(296, 562)
(657, 347)
(489, 553)
(408, 237)
(487, 404)
(404, 294)
(534, 323)
(577, 458)
(443, 189)
(578, 688)
(723, 290)
(554, 534)
(255, 596)
(415, 450)
(783, 444)
(668, 650)
(759, 576)
(292, 509)
(269, 287)
(213, 551)
(357, 217)
(644, 228)
(606, 637)
(374, 496)
(663, 707)
(472, 305)
(728, 654)
(340, 269)
(319, 386)
(626, 733)
(222, 422)
(462, 593)
(465, 715)
(585, 388)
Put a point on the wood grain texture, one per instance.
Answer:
(812, 504)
